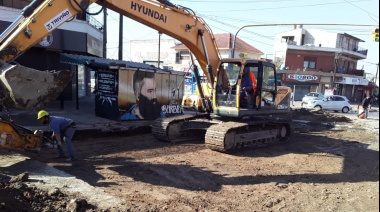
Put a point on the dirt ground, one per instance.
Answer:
(320, 168)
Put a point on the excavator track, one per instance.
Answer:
(169, 129)
(232, 136)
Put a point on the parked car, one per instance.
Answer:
(311, 96)
(334, 103)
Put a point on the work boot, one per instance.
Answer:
(59, 156)
(71, 159)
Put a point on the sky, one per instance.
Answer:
(228, 16)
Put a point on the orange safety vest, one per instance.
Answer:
(254, 82)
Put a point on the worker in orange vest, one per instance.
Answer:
(254, 82)
(251, 98)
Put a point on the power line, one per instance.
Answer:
(362, 9)
(277, 8)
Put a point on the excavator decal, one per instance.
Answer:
(149, 12)
(58, 20)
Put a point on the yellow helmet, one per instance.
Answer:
(42, 114)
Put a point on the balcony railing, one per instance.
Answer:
(95, 23)
(351, 72)
(360, 51)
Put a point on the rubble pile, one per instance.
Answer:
(317, 116)
(16, 195)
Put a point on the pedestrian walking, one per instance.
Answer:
(63, 131)
(366, 103)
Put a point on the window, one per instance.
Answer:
(182, 55)
(268, 85)
(287, 39)
(348, 41)
(309, 64)
(228, 75)
(340, 45)
(339, 99)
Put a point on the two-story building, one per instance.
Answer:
(82, 35)
(177, 56)
(314, 60)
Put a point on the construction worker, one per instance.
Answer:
(63, 130)
(252, 96)
(246, 90)
(254, 81)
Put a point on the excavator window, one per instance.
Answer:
(269, 88)
(228, 75)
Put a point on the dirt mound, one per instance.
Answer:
(15, 195)
(317, 116)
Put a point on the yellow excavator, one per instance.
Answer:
(228, 123)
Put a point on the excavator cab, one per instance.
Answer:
(235, 98)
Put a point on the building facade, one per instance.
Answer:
(313, 60)
(82, 35)
(176, 56)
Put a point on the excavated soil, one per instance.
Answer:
(318, 116)
(320, 168)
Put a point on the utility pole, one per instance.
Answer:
(105, 33)
(159, 48)
(374, 82)
(121, 37)
(337, 56)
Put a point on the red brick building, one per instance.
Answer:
(318, 61)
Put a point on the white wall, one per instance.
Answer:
(10, 15)
(147, 50)
(321, 37)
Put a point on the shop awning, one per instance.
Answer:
(91, 61)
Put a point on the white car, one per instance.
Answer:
(312, 96)
(334, 103)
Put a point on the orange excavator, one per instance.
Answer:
(228, 123)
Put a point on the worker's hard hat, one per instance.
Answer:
(42, 114)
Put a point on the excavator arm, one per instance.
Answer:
(41, 17)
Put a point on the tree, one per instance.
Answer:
(243, 54)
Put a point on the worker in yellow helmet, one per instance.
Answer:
(63, 130)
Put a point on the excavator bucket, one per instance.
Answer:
(30, 89)
(14, 137)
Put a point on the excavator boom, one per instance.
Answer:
(26, 88)
(32, 89)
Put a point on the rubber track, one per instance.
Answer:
(159, 127)
(215, 135)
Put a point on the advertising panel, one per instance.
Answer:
(136, 94)
(106, 96)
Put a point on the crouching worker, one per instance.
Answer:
(63, 131)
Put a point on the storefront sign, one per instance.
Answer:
(351, 81)
(364, 82)
(302, 78)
